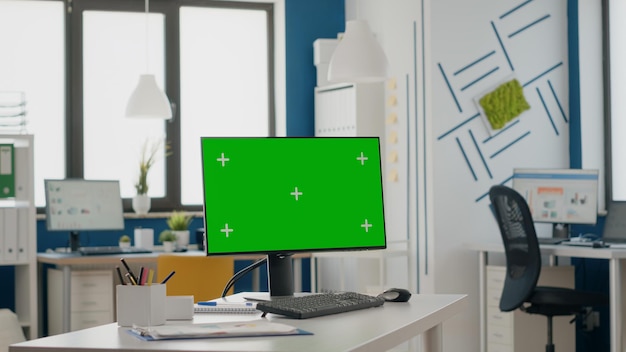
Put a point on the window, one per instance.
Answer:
(33, 62)
(112, 63)
(213, 58)
(221, 95)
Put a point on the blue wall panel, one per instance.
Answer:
(305, 22)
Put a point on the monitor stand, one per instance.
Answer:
(280, 274)
(74, 241)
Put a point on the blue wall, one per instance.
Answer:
(305, 21)
(591, 274)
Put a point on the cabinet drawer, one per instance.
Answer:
(498, 347)
(497, 317)
(83, 320)
(493, 298)
(92, 281)
(90, 301)
(495, 277)
(499, 334)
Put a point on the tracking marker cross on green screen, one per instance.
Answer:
(286, 195)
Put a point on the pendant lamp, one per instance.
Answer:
(358, 57)
(148, 100)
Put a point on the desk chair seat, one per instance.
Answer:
(10, 330)
(523, 266)
(200, 276)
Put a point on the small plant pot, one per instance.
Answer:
(141, 204)
(124, 244)
(182, 239)
(169, 246)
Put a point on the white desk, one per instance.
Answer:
(69, 261)
(616, 258)
(374, 329)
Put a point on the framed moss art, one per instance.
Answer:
(502, 105)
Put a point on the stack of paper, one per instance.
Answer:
(259, 327)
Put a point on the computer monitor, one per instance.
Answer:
(279, 196)
(559, 196)
(83, 205)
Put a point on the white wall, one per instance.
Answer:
(448, 159)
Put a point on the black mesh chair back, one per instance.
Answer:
(520, 245)
(523, 266)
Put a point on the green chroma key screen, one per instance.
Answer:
(285, 195)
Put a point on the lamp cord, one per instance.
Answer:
(147, 31)
(241, 273)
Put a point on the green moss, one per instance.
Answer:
(504, 104)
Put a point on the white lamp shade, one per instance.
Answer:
(148, 100)
(358, 57)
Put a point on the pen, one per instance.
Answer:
(119, 274)
(150, 276)
(131, 279)
(168, 277)
(142, 278)
(128, 269)
(226, 304)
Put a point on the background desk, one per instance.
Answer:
(375, 329)
(68, 262)
(616, 258)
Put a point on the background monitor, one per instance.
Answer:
(83, 205)
(559, 196)
(280, 196)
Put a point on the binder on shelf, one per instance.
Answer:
(2, 234)
(10, 234)
(22, 172)
(7, 173)
(22, 235)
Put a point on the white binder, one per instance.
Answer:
(10, 234)
(2, 222)
(23, 234)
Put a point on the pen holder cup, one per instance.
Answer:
(141, 305)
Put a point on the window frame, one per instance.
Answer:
(74, 94)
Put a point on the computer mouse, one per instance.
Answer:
(598, 244)
(396, 295)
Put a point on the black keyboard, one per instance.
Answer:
(316, 305)
(111, 250)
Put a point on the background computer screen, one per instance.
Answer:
(285, 195)
(568, 196)
(83, 205)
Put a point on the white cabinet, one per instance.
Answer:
(350, 110)
(91, 302)
(18, 236)
(519, 331)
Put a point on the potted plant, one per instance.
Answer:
(141, 202)
(168, 239)
(178, 222)
(124, 241)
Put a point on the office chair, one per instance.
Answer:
(10, 330)
(523, 266)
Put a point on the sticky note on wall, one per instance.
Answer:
(7, 171)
